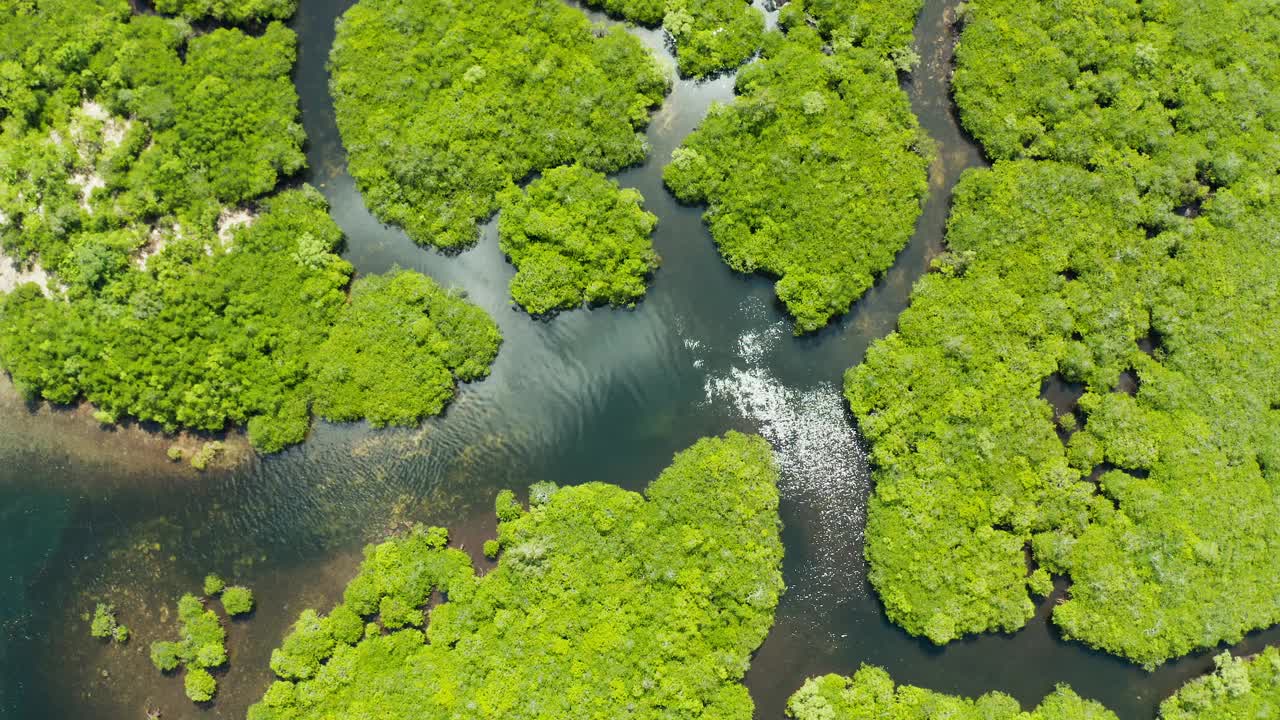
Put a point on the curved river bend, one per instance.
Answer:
(592, 395)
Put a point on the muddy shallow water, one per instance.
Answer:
(88, 515)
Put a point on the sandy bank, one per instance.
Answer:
(11, 276)
(129, 452)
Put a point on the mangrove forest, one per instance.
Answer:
(660, 359)
(1121, 247)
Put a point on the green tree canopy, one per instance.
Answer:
(237, 600)
(1117, 254)
(871, 695)
(233, 10)
(441, 105)
(713, 35)
(576, 238)
(137, 162)
(1177, 95)
(710, 35)
(149, 129)
(201, 646)
(814, 174)
(394, 352)
(604, 604)
(1238, 689)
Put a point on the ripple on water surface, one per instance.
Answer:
(824, 475)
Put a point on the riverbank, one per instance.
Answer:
(131, 450)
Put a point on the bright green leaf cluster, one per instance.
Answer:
(713, 35)
(604, 604)
(815, 174)
(941, 399)
(884, 26)
(196, 340)
(710, 35)
(871, 695)
(128, 148)
(1177, 95)
(202, 646)
(104, 624)
(237, 600)
(1238, 689)
(150, 133)
(396, 348)
(442, 105)
(576, 237)
(1132, 254)
(199, 685)
(232, 10)
(213, 585)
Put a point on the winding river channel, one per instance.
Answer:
(87, 514)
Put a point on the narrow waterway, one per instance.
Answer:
(608, 395)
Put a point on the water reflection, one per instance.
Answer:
(824, 479)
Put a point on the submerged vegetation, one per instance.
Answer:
(815, 174)
(442, 105)
(604, 604)
(871, 695)
(1125, 242)
(137, 161)
(576, 238)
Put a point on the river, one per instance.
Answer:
(603, 395)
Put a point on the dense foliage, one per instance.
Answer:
(884, 26)
(1238, 690)
(576, 237)
(815, 173)
(709, 35)
(138, 127)
(128, 150)
(396, 348)
(713, 35)
(1137, 260)
(213, 584)
(201, 646)
(442, 105)
(1177, 95)
(604, 604)
(199, 685)
(871, 695)
(237, 600)
(198, 339)
(233, 10)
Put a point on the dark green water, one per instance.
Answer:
(592, 395)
